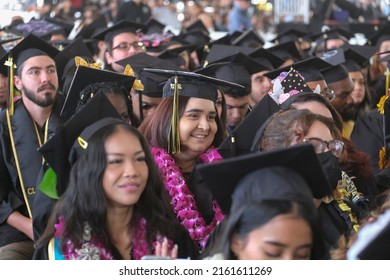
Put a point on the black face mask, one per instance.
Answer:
(332, 168)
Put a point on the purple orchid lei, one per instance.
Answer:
(93, 248)
(182, 199)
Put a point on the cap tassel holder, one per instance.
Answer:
(174, 133)
(11, 66)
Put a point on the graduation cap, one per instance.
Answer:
(218, 52)
(356, 61)
(238, 70)
(365, 28)
(334, 57)
(153, 26)
(250, 39)
(67, 26)
(85, 76)
(156, 42)
(182, 83)
(40, 28)
(65, 59)
(372, 240)
(240, 140)
(286, 51)
(383, 34)
(335, 73)
(310, 69)
(173, 54)
(197, 26)
(123, 26)
(30, 46)
(290, 35)
(266, 57)
(224, 40)
(88, 31)
(152, 82)
(337, 33)
(56, 150)
(256, 169)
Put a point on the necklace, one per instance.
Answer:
(182, 199)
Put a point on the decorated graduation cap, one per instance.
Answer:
(240, 140)
(310, 69)
(57, 149)
(29, 47)
(258, 169)
(266, 57)
(250, 39)
(182, 83)
(86, 75)
(123, 26)
(286, 51)
(334, 57)
(40, 28)
(65, 59)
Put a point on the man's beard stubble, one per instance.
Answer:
(46, 101)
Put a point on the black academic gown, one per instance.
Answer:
(30, 162)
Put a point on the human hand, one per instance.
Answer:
(162, 250)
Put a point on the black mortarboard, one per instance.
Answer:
(153, 26)
(224, 40)
(196, 37)
(355, 61)
(224, 177)
(235, 35)
(67, 26)
(240, 140)
(383, 34)
(173, 54)
(197, 26)
(4, 39)
(335, 73)
(57, 149)
(152, 82)
(89, 30)
(85, 76)
(2, 53)
(122, 26)
(218, 52)
(40, 28)
(337, 33)
(286, 51)
(372, 240)
(310, 69)
(65, 58)
(365, 28)
(290, 35)
(250, 39)
(266, 57)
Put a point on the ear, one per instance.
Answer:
(236, 245)
(18, 83)
(107, 55)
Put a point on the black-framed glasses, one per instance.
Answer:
(139, 46)
(335, 146)
(328, 94)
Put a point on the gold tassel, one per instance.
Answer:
(174, 132)
(387, 73)
(382, 158)
(137, 85)
(11, 93)
(381, 104)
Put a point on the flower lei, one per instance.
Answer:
(183, 201)
(93, 249)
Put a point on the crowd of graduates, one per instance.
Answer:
(124, 140)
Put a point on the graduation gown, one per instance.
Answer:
(12, 196)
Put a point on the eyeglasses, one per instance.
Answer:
(138, 46)
(328, 94)
(335, 146)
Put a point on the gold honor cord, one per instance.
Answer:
(11, 66)
(17, 163)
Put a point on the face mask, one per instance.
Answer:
(332, 168)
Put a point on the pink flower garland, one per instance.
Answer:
(94, 249)
(183, 201)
